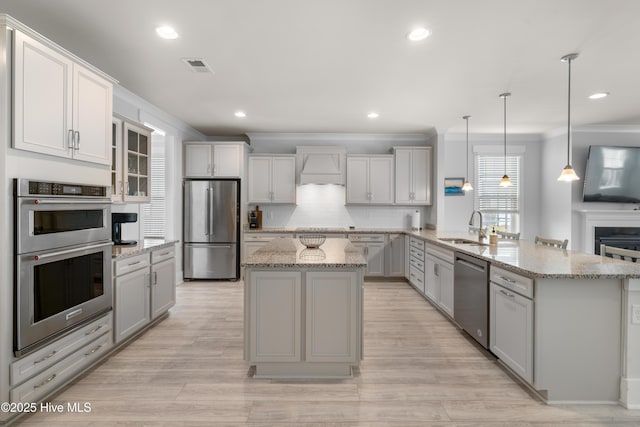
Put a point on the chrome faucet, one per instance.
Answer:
(481, 234)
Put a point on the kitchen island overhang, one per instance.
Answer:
(303, 309)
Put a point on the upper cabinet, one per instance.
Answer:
(370, 179)
(413, 175)
(205, 160)
(61, 107)
(272, 179)
(131, 161)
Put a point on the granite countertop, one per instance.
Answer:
(321, 230)
(123, 251)
(290, 253)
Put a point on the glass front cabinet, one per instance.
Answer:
(131, 161)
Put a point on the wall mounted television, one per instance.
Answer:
(612, 174)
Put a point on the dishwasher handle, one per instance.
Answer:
(479, 268)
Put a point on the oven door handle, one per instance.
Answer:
(67, 202)
(69, 251)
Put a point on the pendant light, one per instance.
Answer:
(568, 174)
(505, 181)
(467, 185)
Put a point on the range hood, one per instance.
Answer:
(321, 165)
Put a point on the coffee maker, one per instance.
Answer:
(117, 219)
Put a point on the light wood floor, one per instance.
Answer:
(419, 370)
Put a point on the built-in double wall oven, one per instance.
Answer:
(62, 259)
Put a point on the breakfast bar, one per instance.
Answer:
(303, 309)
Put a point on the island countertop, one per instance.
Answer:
(288, 252)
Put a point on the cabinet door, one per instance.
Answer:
(92, 111)
(275, 316)
(381, 179)
(137, 160)
(117, 181)
(198, 160)
(445, 274)
(404, 191)
(283, 180)
(259, 179)
(42, 97)
(227, 161)
(395, 255)
(421, 176)
(331, 316)
(358, 180)
(375, 259)
(132, 298)
(431, 279)
(511, 330)
(163, 289)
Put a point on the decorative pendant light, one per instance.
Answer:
(568, 174)
(467, 185)
(505, 181)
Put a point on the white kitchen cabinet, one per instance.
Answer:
(372, 247)
(144, 289)
(61, 108)
(416, 264)
(272, 179)
(206, 160)
(254, 240)
(413, 175)
(131, 161)
(394, 254)
(438, 277)
(511, 321)
(370, 179)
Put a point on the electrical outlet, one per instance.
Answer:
(635, 313)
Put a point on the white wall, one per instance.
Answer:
(456, 210)
(324, 205)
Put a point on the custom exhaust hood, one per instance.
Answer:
(321, 165)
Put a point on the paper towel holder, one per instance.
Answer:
(415, 220)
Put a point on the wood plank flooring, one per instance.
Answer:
(418, 370)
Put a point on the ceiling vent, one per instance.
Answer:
(197, 65)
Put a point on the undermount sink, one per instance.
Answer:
(458, 241)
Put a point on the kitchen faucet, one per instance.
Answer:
(481, 234)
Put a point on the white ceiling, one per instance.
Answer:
(322, 65)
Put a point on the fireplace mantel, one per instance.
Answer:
(604, 218)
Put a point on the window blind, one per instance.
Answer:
(154, 212)
(490, 197)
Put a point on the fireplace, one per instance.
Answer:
(620, 237)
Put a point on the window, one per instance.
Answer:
(154, 212)
(500, 206)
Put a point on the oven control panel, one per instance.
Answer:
(46, 188)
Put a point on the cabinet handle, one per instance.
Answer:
(436, 271)
(133, 263)
(208, 168)
(147, 278)
(76, 145)
(94, 330)
(508, 280)
(507, 294)
(94, 350)
(70, 142)
(155, 277)
(48, 380)
(48, 356)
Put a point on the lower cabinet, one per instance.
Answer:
(394, 256)
(144, 289)
(511, 321)
(438, 277)
(373, 248)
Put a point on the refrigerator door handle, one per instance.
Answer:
(208, 203)
(210, 216)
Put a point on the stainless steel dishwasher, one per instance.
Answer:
(471, 296)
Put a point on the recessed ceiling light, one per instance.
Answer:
(373, 115)
(240, 114)
(599, 95)
(166, 32)
(418, 34)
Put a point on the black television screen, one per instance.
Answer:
(612, 175)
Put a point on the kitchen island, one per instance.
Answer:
(303, 309)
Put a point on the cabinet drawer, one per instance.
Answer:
(417, 253)
(417, 263)
(416, 277)
(266, 237)
(440, 253)
(416, 243)
(130, 264)
(47, 356)
(366, 237)
(513, 281)
(163, 254)
(54, 377)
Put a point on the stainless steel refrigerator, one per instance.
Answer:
(211, 229)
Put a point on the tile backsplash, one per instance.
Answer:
(324, 206)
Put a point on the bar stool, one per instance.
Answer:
(562, 244)
(619, 253)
